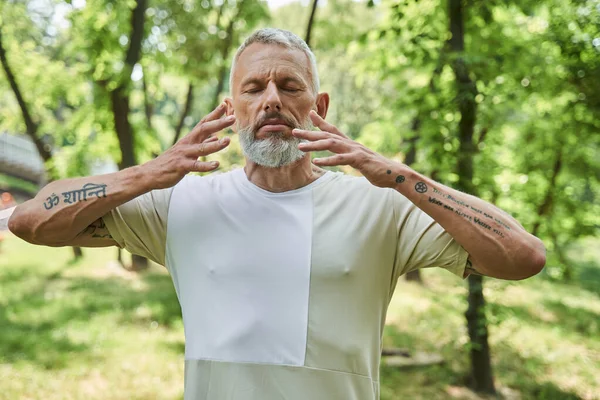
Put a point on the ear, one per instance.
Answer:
(322, 104)
(230, 111)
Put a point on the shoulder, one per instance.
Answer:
(355, 189)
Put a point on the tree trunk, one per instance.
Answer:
(481, 368)
(119, 101)
(77, 253)
(311, 20)
(120, 104)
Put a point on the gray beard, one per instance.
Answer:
(274, 151)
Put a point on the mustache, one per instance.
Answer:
(275, 115)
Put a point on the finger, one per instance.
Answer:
(206, 129)
(338, 159)
(203, 166)
(310, 135)
(334, 145)
(322, 124)
(210, 139)
(215, 114)
(206, 148)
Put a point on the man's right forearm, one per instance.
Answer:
(63, 209)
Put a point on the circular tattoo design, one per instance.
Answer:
(389, 171)
(399, 179)
(421, 187)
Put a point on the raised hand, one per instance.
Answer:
(171, 166)
(372, 165)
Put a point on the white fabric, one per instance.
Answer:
(243, 269)
(4, 217)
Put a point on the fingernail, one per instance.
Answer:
(231, 118)
(214, 163)
(224, 140)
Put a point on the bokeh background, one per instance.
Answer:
(497, 98)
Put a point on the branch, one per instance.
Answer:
(31, 126)
(311, 19)
(148, 109)
(546, 206)
(227, 42)
(186, 109)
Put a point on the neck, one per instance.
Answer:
(283, 179)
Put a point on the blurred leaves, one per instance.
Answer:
(385, 64)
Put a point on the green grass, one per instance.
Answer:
(90, 330)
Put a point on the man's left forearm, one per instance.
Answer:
(497, 244)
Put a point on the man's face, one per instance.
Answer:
(272, 94)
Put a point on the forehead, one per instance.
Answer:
(263, 60)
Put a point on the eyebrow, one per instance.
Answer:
(293, 79)
(252, 81)
(259, 82)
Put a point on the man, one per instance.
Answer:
(284, 271)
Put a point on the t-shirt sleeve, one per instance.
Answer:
(422, 242)
(140, 225)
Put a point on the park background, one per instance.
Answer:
(497, 98)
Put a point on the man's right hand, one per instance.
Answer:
(171, 166)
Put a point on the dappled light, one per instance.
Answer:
(497, 100)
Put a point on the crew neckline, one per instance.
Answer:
(240, 175)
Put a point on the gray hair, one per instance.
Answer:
(282, 38)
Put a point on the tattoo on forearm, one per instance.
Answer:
(97, 229)
(73, 196)
(399, 178)
(479, 222)
(421, 187)
(51, 201)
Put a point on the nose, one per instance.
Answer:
(272, 100)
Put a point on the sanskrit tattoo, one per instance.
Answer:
(51, 201)
(74, 196)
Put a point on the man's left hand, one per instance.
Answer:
(375, 167)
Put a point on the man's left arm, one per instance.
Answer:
(497, 244)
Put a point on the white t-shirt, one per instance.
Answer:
(283, 295)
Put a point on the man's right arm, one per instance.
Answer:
(69, 212)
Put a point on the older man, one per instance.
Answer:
(284, 271)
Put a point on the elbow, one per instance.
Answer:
(534, 259)
(17, 228)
